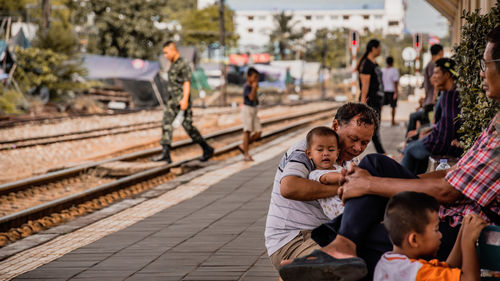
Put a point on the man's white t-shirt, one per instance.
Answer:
(389, 76)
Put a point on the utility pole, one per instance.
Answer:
(323, 66)
(222, 43)
(45, 15)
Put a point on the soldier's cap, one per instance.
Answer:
(447, 64)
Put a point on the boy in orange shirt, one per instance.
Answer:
(412, 222)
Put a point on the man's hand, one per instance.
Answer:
(456, 143)
(356, 185)
(183, 104)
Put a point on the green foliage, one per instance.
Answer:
(59, 38)
(10, 100)
(37, 68)
(202, 26)
(284, 35)
(122, 28)
(13, 7)
(333, 43)
(477, 109)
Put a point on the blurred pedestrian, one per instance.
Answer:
(371, 85)
(179, 88)
(390, 77)
(250, 120)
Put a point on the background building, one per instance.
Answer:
(254, 19)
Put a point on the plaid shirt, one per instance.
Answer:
(477, 176)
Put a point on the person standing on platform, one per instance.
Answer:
(179, 87)
(390, 77)
(370, 82)
(249, 118)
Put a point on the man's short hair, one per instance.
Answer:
(494, 38)
(367, 115)
(168, 43)
(435, 49)
(389, 60)
(251, 71)
(408, 211)
(447, 65)
(321, 131)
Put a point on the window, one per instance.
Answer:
(250, 30)
(250, 17)
(366, 17)
(378, 17)
(307, 29)
(320, 17)
(334, 17)
(365, 29)
(262, 17)
(346, 17)
(308, 17)
(393, 23)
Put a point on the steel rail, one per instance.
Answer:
(39, 211)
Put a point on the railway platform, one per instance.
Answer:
(205, 225)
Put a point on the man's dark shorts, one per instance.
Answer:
(388, 99)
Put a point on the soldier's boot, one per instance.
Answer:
(164, 156)
(208, 151)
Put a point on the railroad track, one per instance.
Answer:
(82, 135)
(58, 196)
(79, 135)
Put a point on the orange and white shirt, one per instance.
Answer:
(396, 267)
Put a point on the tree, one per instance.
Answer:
(284, 35)
(477, 110)
(202, 26)
(122, 28)
(37, 68)
(332, 43)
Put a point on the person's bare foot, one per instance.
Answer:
(248, 158)
(341, 248)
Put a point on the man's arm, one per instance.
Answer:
(360, 183)
(186, 89)
(297, 188)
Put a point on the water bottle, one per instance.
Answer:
(179, 118)
(443, 165)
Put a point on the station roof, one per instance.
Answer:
(279, 5)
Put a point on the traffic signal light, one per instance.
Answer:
(417, 41)
(354, 38)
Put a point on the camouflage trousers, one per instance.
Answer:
(169, 114)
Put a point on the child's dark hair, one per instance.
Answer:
(320, 131)
(408, 211)
(389, 61)
(251, 71)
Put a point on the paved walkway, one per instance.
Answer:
(216, 235)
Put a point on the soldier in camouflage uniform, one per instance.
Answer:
(179, 77)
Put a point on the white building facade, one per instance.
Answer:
(254, 18)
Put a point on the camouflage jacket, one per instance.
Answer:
(178, 73)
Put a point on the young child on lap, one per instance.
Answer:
(323, 150)
(412, 222)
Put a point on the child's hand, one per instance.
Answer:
(472, 225)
